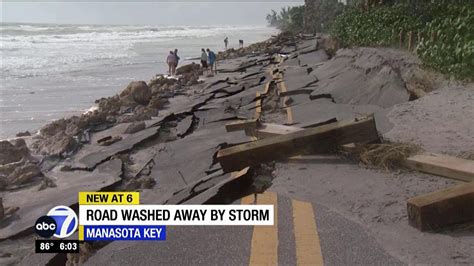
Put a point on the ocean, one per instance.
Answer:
(51, 71)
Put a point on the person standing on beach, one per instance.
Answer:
(204, 59)
(171, 60)
(212, 60)
(177, 57)
(226, 41)
(241, 43)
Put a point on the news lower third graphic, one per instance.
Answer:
(119, 216)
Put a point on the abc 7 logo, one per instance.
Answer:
(60, 222)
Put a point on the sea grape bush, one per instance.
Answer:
(446, 31)
(452, 48)
(374, 28)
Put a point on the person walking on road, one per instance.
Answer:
(172, 63)
(226, 42)
(204, 59)
(212, 60)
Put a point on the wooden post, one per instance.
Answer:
(401, 37)
(433, 36)
(410, 40)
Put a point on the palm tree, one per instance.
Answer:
(272, 18)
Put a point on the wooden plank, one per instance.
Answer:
(271, 130)
(264, 129)
(443, 165)
(267, 88)
(442, 208)
(306, 141)
(242, 125)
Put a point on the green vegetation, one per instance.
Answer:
(379, 27)
(452, 50)
(445, 29)
(289, 19)
(442, 31)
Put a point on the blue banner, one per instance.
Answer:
(124, 232)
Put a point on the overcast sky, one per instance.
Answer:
(148, 13)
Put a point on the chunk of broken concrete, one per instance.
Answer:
(196, 187)
(185, 125)
(12, 151)
(135, 127)
(23, 134)
(23, 174)
(60, 144)
(193, 67)
(92, 155)
(136, 91)
(30, 203)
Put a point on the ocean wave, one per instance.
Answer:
(99, 34)
(30, 50)
(14, 29)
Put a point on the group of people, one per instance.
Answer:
(208, 58)
(226, 42)
(172, 60)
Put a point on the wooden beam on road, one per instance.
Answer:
(312, 140)
(270, 130)
(442, 208)
(443, 165)
(242, 125)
